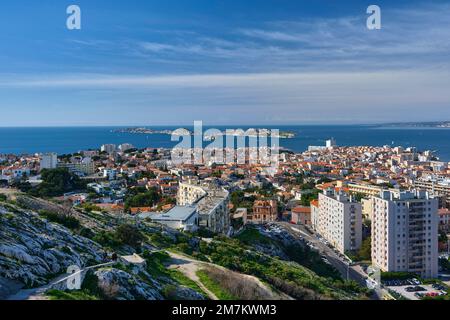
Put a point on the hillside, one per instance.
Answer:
(39, 240)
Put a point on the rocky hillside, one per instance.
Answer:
(39, 240)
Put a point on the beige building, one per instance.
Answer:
(85, 168)
(339, 220)
(367, 210)
(189, 192)
(437, 186)
(264, 211)
(404, 232)
(211, 202)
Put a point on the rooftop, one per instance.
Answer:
(177, 213)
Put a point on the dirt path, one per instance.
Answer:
(189, 268)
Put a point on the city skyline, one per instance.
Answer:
(283, 63)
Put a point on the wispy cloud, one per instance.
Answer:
(411, 37)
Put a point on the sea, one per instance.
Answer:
(65, 140)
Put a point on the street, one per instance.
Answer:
(347, 271)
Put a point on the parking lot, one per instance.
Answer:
(413, 290)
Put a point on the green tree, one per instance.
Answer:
(129, 235)
(146, 199)
(56, 182)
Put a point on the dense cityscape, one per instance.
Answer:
(336, 212)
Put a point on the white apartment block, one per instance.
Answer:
(108, 148)
(339, 220)
(48, 161)
(405, 232)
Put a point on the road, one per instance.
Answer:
(347, 271)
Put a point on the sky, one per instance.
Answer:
(171, 62)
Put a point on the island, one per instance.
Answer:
(252, 132)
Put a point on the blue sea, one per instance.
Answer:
(72, 139)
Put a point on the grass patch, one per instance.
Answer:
(70, 295)
(156, 266)
(252, 235)
(214, 286)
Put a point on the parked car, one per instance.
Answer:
(415, 289)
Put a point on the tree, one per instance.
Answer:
(365, 252)
(129, 235)
(146, 199)
(56, 182)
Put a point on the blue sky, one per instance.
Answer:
(223, 62)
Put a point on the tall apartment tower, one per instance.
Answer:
(405, 232)
(48, 161)
(340, 220)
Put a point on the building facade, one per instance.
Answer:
(264, 211)
(48, 161)
(339, 220)
(405, 232)
(211, 201)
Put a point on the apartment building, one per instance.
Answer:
(48, 161)
(404, 232)
(264, 211)
(211, 202)
(108, 148)
(339, 220)
(314, 214)
(435, 185)
(189, 192)
(82, 168)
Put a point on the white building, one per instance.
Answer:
(331, 143)
(110, 173)
(339, 220)
(211, 202)
(125, 146)
(405, 232)
(180, 218)
(108, 148)
(48, 161)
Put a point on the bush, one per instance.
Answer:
(56, 182)
(129, 235)
(3, 197)
(67, 221)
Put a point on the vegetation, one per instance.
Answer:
(70, 295)
(214, 286)
(56, 182)
(157, 268)
(289, 277)
(303, 255)
(239, 200)
(141, 197)
(308, 197)
(3, 197)
(364, 253)
(89, 291)
(386, 276)
(124, 234)
(129, 235)
(67, 221)
(231, 285)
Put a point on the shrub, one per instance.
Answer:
(129, 235)
(67, 221)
